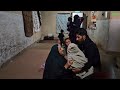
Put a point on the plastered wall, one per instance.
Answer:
(12, 37)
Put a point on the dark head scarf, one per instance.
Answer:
(54, 66)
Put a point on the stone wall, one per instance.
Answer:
(100, 35)
(12, 36)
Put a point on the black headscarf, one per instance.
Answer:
(54, 66)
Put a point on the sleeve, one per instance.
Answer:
(63, 35)
(59, 35)
(63, 73)
(90, 55)
(68, 23)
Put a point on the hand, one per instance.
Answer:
(68, 64)
(60, 50)
(76, 70)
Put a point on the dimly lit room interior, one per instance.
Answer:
(26, 39)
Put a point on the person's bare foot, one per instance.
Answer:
(41, 67)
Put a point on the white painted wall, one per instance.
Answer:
(12, 37)
(49, 22)
(100, 35)
(114, 32)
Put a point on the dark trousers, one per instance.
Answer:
(61, 41)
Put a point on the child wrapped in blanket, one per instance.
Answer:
(78, 58)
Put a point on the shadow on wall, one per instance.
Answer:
(28, 23)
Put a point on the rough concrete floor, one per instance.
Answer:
(26, 65)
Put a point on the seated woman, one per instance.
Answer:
(56, 66)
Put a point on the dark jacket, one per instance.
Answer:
(61, 36)
(73, 29)
(54, 66)
(91, 52)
